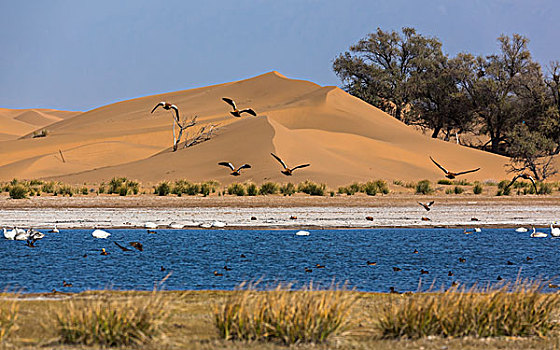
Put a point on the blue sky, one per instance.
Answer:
(79, 55)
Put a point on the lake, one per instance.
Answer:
(275, 256)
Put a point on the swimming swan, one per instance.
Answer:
(302, 233)
(21, 234)
(100, 233)
(11, 235)
(554, 231)
(521, 229)
(536, 234)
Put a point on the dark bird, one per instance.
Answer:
(396, 269)
(369, 218)
(467, 232)
(307, 269)
(104, 252)
(236, 112)
(424, 272)
(450, 273)
(499, 278)
(426, 219)
(415, 251)
(426, 205)
(85, 255)
(235, 172)
(168, 106)
(124, 249)
(526, 177)
(66, 284)
(227, 268)
(553, 286)
(474, 219)
(462, 260)
(253, 218)
(509, 262)
(288, 171)
(31, 243)
(151, 231)
(242, 256)
(216, 273)
(371, 263)
(293, 217)
(451, 175)
(162, 269)
(454, 284)
(529, 258)
(137, 245)
(393, 291)
(319, 266)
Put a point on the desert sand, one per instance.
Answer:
(344, 139)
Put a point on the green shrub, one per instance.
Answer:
(424, 187)
(288, 189)
(458, 190)
(445, 182)
(101, 188)
(133, 186)
(18, 191)
(65, 190)
(163, 189)
(477, 189)
(84, 191)
(311, 188)
(545, 188)
(236, 189)
(398, 182)
(252, 189)
(205, 189)
(502, 184)
(449, 191)
(462, 182)
(269, 188)
(517, 310)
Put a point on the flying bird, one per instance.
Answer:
(168, 106)
(288, 171)
(236, 112)
(526, 177)
(426, 205)
(235, 172)
(137, 245)
(451, 175)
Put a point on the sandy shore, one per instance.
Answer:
(278, 212)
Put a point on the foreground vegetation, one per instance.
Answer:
(514, 316)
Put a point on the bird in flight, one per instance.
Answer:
(526, 177)
(236, 112)
(451, 175)
(235, 172)
(426, 205)
(168, 106)
(288, 171)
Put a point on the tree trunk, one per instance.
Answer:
(435, 134)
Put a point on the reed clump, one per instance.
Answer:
(8, 315)
(110, 321)
(518, 309)
(290, 317)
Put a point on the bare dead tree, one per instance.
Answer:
(204, 134)
(182, 126)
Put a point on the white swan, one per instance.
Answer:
(151, 225)
(34, 234)
(554, 231)
(11, 235)
(205, 225)
(477, 229)
(302, 233)
(219, 224)
(536, 234)
(521, 229)
(175, 225)
(21, 234)
(54, 230)
(100, 233)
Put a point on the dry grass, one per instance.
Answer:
(9, 310)
(290, 317)
(111, 321)
(518, 309)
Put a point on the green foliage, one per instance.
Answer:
(48, 187)
(236, 189)
(462, 182)
(162, 189)
(517, 310)
(445, 182)
(288, 189)
(424, 187)
(458, 190)
(18, 191)
(398, 182)
(65, 190)
(84, 190)
(252, 189)
(545, 188)
(269, 188)
(121, 186)
(477, 188)
(312, 188)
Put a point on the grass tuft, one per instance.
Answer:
(312, 188)
(111, 321)
(8, 315)
(517, 309)
(424, 187)
(291, 317)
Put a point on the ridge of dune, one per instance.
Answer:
(344, 138)
(15, 123)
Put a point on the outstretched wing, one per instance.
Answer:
(280, 160)
(430, 204)
(137, 245)
(248, 110)
(513, 180)
(230, 102)
(124, 249)
(466, 172)
(159, 104)
(439, 166)
(244, 166)
(228, 164)
(301, 166)
(176, 113)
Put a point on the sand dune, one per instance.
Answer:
(15, 123)
(344, 138)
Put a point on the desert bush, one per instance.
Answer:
(105, 321)
(506, 191)
(382, 186)
(162, 189)
(65, 190)
(36, 182)
(545, 188)
(477, 188)
(448, 191)
(84, 190)
(205, 189)
(8, 315)
(502, 184)
(398, 182)
(288, 189)
(18, 191)
(518, 309)
(410, 185)
(424, 187)
(252, 189)
(304, 316)
(462, 182)
(48, 187)
(236, 189)
(185, 187)
(445, 182)
(312, 188)
(458, 190)
(269, 188)
(115, 184)
(101, 188)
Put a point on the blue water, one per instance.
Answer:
(275, 256)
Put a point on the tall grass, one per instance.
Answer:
(517, 309)
(291, 317)
(8, 316)
(312, 188)
(371, 188)
(112, 321)
(424, 187)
